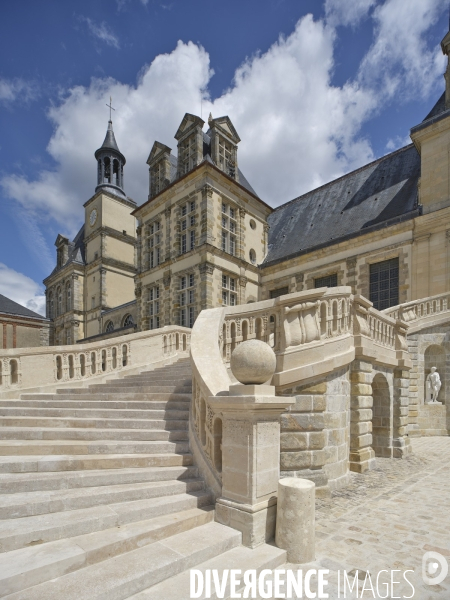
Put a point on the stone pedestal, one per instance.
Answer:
(250, 460)
(432, 419)
(295, 519)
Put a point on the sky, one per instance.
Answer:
(315, 89)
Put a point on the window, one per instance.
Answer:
(154, 307)
(384, 283)
(327, 281)
(93, 302)
(59, 295)
(229, 228)
(229, 296)
(51, 306)
(68, 337)
(187, 154)
(252, 256)
(109, 327)
(279, 292)
(187, 300)
(187, 227)
(157, 178)
(128, 321)
(68, 297)
(154, 245)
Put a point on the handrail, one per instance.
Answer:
(424, 312)
(48, 367)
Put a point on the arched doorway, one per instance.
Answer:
(382, 417)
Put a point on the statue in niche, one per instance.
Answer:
(433, 386)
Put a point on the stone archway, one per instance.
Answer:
(382, 417)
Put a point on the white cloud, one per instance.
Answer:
(102, 32)
(347, 12)
(21, 289)
(297, 129)
(17, 89)
(400, 62)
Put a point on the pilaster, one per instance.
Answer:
(362, 455)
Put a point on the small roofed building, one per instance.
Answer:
(21, 327)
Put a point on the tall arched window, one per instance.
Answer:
(51, 306)
(59, 300)
(68, 297)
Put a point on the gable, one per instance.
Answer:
(225, 125)
(157, 152)
(189, 122)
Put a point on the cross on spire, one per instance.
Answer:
(110, 108)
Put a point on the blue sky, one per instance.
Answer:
(315, 89)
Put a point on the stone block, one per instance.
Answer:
(361, 401)
(317, 388)
(294, 441)
(361, 389)
(361, 428)
(361, 414)
(303, 403)
(295, 460)
(302, 422)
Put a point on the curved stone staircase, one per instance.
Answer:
(99, 496)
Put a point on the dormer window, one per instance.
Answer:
(187, 156)
(225, 155)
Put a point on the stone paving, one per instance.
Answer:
(388, 519)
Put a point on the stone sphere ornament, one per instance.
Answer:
(253, 362)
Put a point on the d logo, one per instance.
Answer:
(434, 568)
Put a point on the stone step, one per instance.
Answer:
(94, 413)
(27, 464)
(122, 576)
(150, 381)
(132, 389)
(59, 433)
(86, 395)
(178, 587)
(27, 567)
(55, 422)
(39, 529)
(12, 483)
(86, 402)
(41, 447)
(27, 504)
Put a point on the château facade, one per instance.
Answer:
(204, 238)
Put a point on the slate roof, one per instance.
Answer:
(437, 109)
(110, 139)
(76, 252)
(9, 307)
(374, 196)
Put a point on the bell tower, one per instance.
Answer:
(110, 163)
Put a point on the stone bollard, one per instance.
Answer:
(295, 519)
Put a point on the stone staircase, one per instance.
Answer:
(100, 498)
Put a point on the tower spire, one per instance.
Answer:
(110, 161)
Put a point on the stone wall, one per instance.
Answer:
(315, 433)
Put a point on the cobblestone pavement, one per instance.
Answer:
(388, 519)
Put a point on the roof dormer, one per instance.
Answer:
(159, 168)
(224, 141)
(190, 143)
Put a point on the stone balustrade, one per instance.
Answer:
(313, 333)
(58, 366)
(425, 312)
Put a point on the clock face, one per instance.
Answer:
(93, 217)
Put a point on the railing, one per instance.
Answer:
(422, 313)
(312, 333)
(43, 367)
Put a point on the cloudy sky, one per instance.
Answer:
(315, 89)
